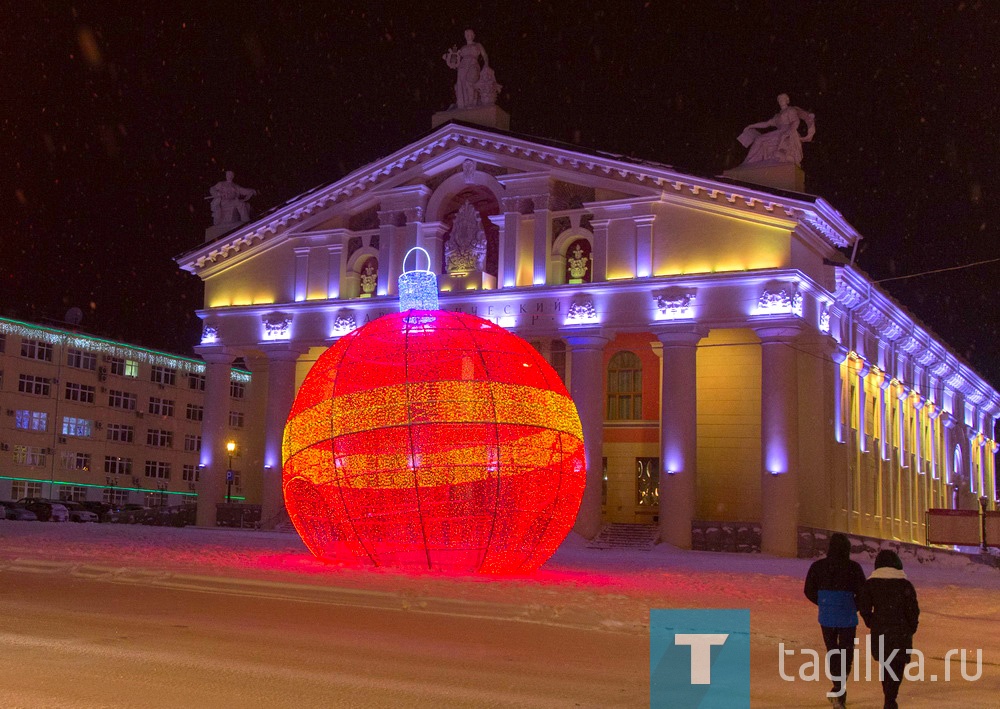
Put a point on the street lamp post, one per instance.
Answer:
(231, 446)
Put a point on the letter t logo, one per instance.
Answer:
(701, 653)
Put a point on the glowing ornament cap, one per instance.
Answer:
(418, 289)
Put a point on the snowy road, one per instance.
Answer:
(71, 641)
(120, 616)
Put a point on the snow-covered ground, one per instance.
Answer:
(588, 593)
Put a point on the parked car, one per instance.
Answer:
(101, 509)
(77, 512)
(46, 510)
(128, 514)
(19, 512)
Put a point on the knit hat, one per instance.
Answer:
(887, 557)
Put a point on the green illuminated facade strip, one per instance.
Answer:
(108, 487)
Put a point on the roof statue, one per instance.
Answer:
(783, 144)
(229, 201)
(465, 61)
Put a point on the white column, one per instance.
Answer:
(838, 355)
(214, 427)
(587, 390)
(678, 434)
(280, 395)
(507, 257)
(779, 432)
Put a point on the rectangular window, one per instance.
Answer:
(195, 412)
(191, 474)
(192, 443)
(32, 420)
(30, 384)
(3, 343)
(121, 432)
(78, 359)
(236, 419)
(157, 469)
(159, 438)
(124, 367)
(196, 381)
(24, 488)
(647, 482)
(161, 407)
(115, 498)
(73, 426)
(75, 461)
(121, 400)
(31, 455)
(163, 375)
(113, 465)
(237, 390)
(36, 349)
(80, 392)
(75, 493)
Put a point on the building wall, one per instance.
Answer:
(79, 458)
(729, 453)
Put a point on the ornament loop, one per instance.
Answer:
(415, 261)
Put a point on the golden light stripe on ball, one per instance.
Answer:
(431, 402)
(447, 467)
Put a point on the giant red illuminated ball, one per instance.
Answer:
(437, 440)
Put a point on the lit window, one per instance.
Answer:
(624, 387)
(32, 420)
(73, 426)
(76, 461)
(647, 482)
(30, 455)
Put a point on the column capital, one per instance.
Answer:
(777, 333)
(586, 341)
(684, 336)
(213, 354)
(282, 352)
(838, 353)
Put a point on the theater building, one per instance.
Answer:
(727, 360)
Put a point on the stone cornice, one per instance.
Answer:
(814, 215)
(872, 308)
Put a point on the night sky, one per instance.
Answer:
(116, 121)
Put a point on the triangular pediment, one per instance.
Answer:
(520, 165)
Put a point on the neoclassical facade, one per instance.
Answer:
(726, 359)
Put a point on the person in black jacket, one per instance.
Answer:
(834, 583)
(888, 604)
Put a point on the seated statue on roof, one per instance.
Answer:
(783, 144)
(229, 201)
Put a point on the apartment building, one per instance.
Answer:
(85, 418)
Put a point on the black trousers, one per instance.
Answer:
(892, 680)
(840, 662)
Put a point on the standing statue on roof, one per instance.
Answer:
(784, 143)
(466, 61)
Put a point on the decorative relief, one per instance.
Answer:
(824, 319)
(677, 305)
(774, 302)
(277, 327)
(797, 304)
(578, 265)
(209, 335)
(469, 171)
(344, 324)
(466, 249)
(581, 311)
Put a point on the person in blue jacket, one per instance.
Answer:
(834, 583)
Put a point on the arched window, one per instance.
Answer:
(624, 387)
